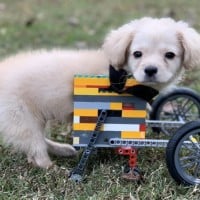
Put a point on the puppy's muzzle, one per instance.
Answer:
(150, 71)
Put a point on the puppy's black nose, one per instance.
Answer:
(150, 70)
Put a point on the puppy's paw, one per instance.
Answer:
(41, 162)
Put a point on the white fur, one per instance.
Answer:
(38, 86)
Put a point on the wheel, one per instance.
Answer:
(181, 104)
(183, 154)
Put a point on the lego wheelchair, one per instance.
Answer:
(108, 115)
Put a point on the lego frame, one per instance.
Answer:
(104, 118)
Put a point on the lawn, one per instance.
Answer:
(32, 24)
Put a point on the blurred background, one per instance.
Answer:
(27, 24)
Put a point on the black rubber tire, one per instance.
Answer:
(177, 165)
(162, 100)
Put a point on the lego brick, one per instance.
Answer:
(85, 112)
(139, 103)
(86, 91)
(121, 127)
(102, 141)
(143, 127)
(76, 119)
(115, 106)
(119, 120)
(114, 113)
(128, 106)
(92, 105)
(94, 81)
(132, 135)
(84, 126)
(134, 113)
(76, 140)
(84, 119)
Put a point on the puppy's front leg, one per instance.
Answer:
(24, 131)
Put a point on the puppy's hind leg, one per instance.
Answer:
(25, 132)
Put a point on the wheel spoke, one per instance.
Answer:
(189, 147)
(174, 110)
(190, 164)
(185, 108)
(188, 108)
(192, 157)
(185, 103)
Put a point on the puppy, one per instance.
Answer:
(38, 86)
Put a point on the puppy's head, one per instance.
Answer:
(155, 51)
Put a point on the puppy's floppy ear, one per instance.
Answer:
(190, 41)
(117, 42)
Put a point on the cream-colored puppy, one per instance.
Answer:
(38, 86)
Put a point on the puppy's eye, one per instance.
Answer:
(170, 55)
(137, 54)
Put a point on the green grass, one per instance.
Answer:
(31, 24)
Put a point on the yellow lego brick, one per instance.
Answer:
(134, 113)
(76, 140)
(84, 127)
(132, 135)
(86, 91)
(86, 112)
(116, 106)
(92, 81)
(112, 94)
(95, 92)
(131, 82)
